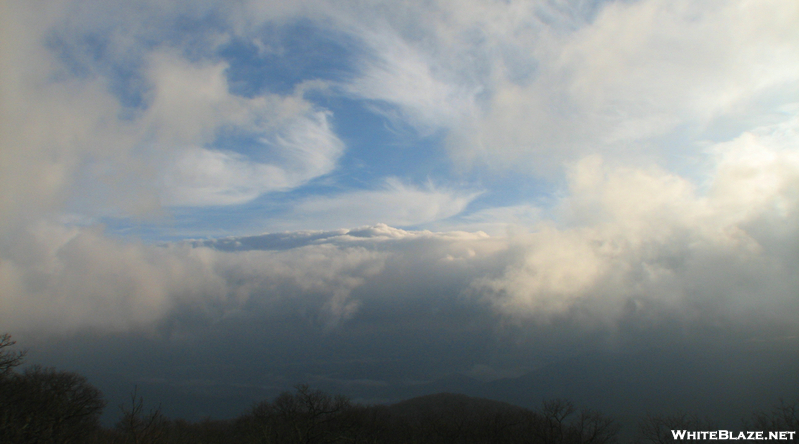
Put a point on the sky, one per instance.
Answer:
(386, 192)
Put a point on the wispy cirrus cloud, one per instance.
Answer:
(408, 86)
(397, 204)
(531, 86)
(306, 149)
(145, 119)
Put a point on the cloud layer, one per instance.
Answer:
(667, 128)
(623, 236)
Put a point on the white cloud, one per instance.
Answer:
(517, 85)
(396, 204)
(427, 96)
(651, 235)
(210, 177)
(192, 103)
(496, 221)
(757, 173)
(622, 233)
(67, 279)
(723, 250)
(307, 147)
(679, 60)
(643, 69)
(51, 122)
(72, 279)
(64, 132)
(528, 86)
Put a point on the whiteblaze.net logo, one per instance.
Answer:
(716, 435)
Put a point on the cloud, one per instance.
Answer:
(317, 280)
(621, 235)
(642, 70)
(396, 204)
(192, 104)
(402, 80)
(497, 221)
(627, 233)
(675, 124)
(60, 280)
(145, 118)
(530, 86)
(517, 85)
(719, 57)
(308, 149)
(48, 126)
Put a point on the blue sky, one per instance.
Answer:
(166, 166)
(245, 119)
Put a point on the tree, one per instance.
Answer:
(656, 429)
(448, 417)
(137, 427)
(303, 417)
(552, 426)
(43, 405)
(595, 428)
(560, 422)
(783, 417)
(8, 359)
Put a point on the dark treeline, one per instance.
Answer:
(43, 405)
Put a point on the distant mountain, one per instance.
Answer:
(722, 385)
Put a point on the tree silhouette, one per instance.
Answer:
(43, 405)
(657, 429)
(560, 422)
(303, 417)
(137, 427)
(8, 359)
(783, 417)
